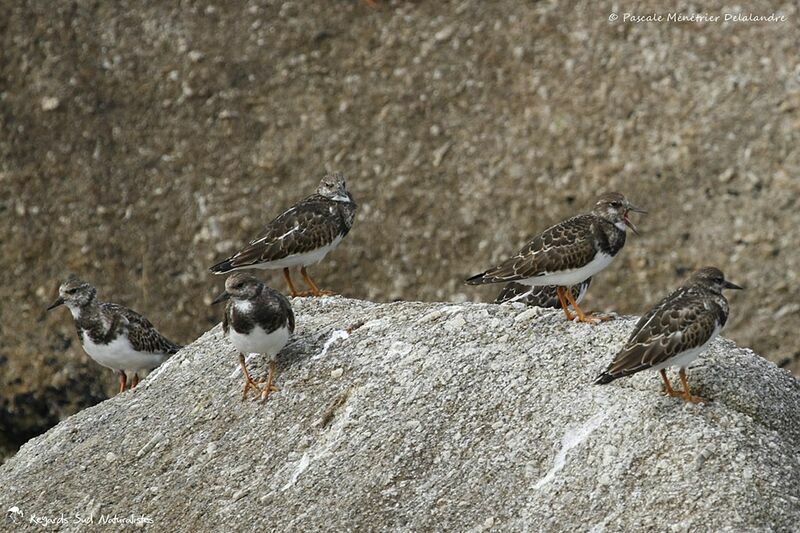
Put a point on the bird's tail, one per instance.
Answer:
(222, 267)
(604, 378)
(173, 349)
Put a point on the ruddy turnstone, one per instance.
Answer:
(114, 336)
(676, 331)
(569, 252)
(301, 236)
(541, 296)
(257, 319)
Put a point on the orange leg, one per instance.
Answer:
(288, 279)
(248, 381)
(123, 380)
(135, 381)
(687, 396)
(668, 386)
(270, 388)
(564, 305)
(315, 291)
(582, 317)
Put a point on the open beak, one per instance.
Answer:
(627, 220)
(59, 301)
(221, 298)
(630, 224)
(729, 285)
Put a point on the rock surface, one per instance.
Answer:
(423, 416)
(139, 146)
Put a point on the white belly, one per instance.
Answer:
(574, 276)
(683, 359)
(304, 259)
(120, 355)
(259, 341)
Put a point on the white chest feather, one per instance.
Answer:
(243, 306)
(304, 259)
(259, 341)
(119, 354)
(573, 276)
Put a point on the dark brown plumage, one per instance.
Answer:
(569, 245)
(676, 330)
(271, 310)
(301, 236)
(569, 252)
(114, 336)
(257, 319)
(540, 296)
(141, 333)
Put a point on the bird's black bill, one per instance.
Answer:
(630, 207)
(55, 304)
(635, 209)
(221, 298)
(729, 285)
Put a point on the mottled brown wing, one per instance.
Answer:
(565, 246)
(513, 291)
(287, 309)
(309, 225)
(142, 334)
(680, 322)
(540, 296)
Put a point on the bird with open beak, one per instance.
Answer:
(570, 252)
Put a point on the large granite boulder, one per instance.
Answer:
(416, 416)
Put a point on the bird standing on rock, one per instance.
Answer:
(540, 296)
(257, 319)
(676, 331)
(114, 336)
(301, 236)
(569, 253)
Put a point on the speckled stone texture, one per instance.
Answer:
(140, 143)
(428, 416)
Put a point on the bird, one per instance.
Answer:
(112, 335)
(676, 331)
(569, 252)
(540, 296)
(258, 319)
(301, 236)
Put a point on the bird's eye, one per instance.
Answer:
(70, 291)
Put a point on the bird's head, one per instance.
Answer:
(240, 286)
(74, 293)
(333, 186)
(615, 208)
(713, 279)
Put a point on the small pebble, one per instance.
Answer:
(50, 103)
